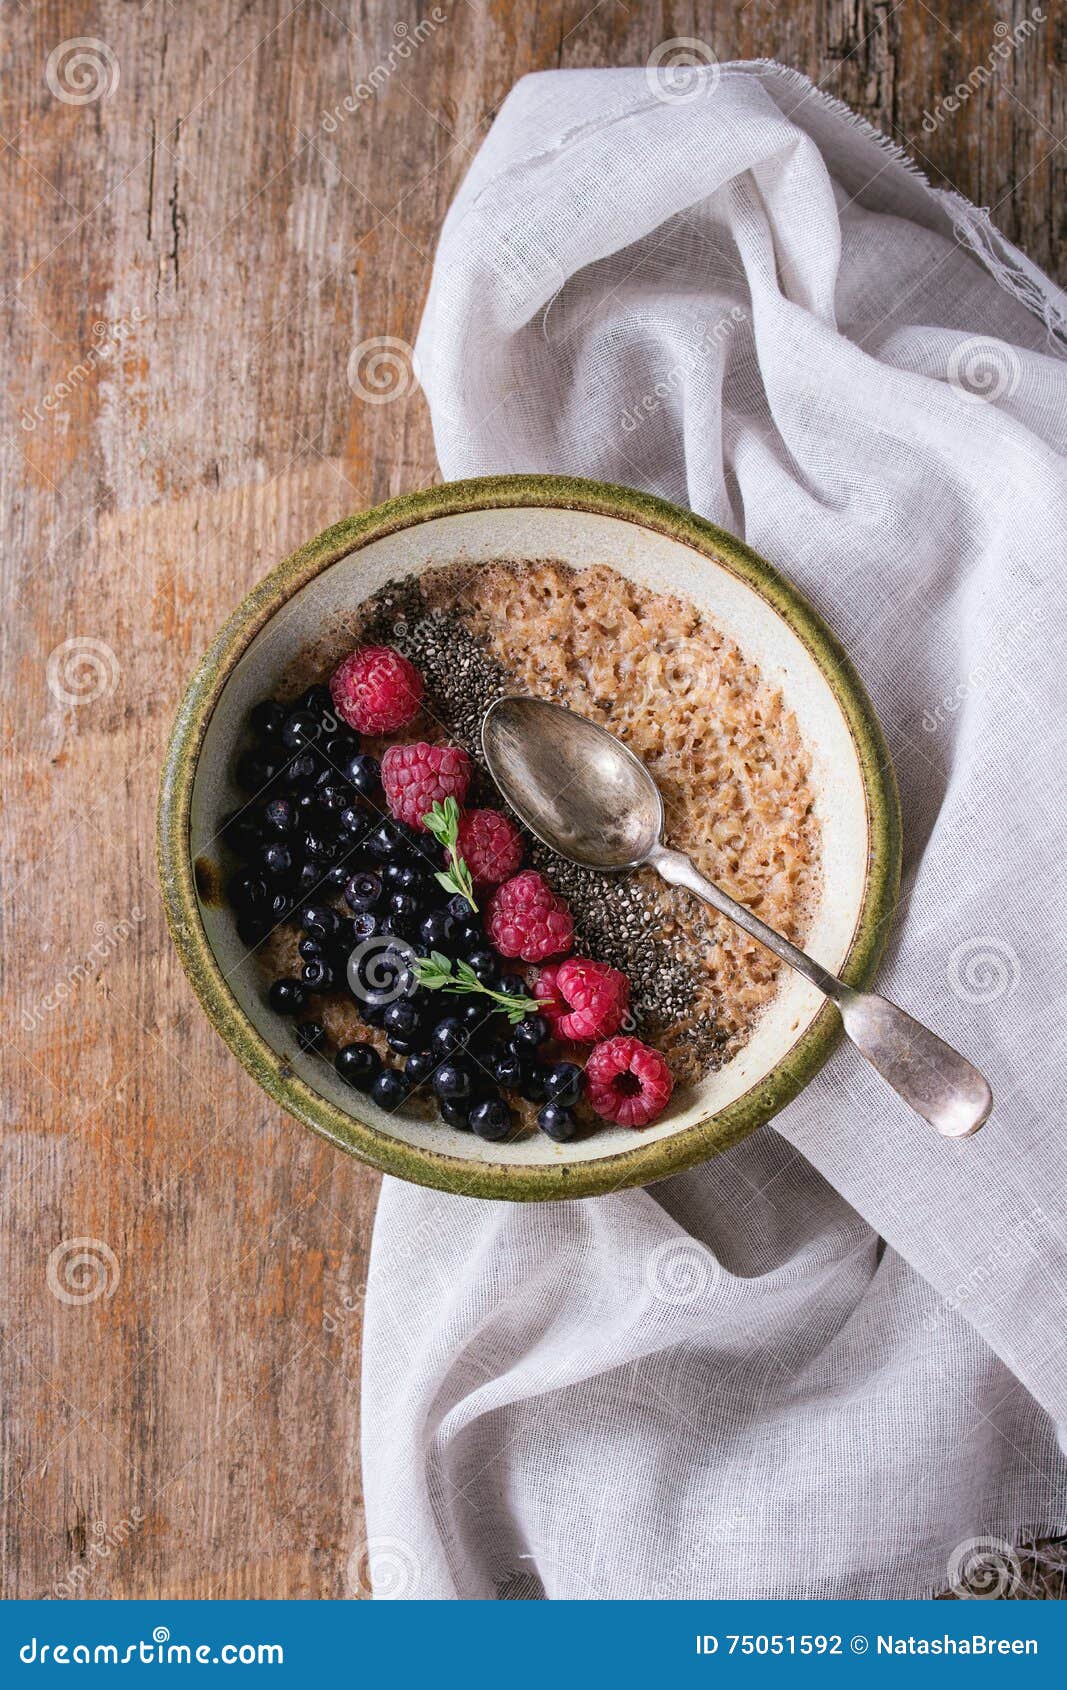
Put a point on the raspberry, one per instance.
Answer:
(583, 999)
(416, 776)
(528, 920)
(627, 1082)
(490, 845)
(375, 690)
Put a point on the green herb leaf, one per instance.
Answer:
(438, 974)
(442, 820)
(433, 971)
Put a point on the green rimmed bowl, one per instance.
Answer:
(579, 522)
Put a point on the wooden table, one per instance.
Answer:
(190, 255)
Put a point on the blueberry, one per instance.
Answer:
(309, 879)
(319, 918)
(531, 1032)
(278, 861)
(333, 798)
(317, 975)
(389, 1090)
(403, 909)
(513, 986)
(363, 891)
(471, 936)
(365, 926)
(459, 909)
(400, 876)
(479, 1023)
(344, 741)
(412, 841)
(402, 1017)
(454, 1079)
(317, 700)
(419, 1066)
(532, 1083)
(266, 718)
(486, 965)
(557, 1122)
(247, 891)
(492, 1119)
(311, 945)
(279, 816)
(359, 1064)
(301, 770)
(241, 833)
(336, 877)
(385, 842)
(340, 748)
(311, 1035)
(252, 928)
(344, 941)
(352, 819)
(450, 1035)
(287, 996)
(438, 929)
(253, 771)
(563, 1084)
(281, 906)
(364, 773)
(320, 846)
(454, 1113)
(300, 730)
(506, 1067)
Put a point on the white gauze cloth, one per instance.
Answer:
(827, 1361)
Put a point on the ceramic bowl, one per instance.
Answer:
(580, 522)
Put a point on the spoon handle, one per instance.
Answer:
(935, 1080)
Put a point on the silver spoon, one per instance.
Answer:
(586, 796)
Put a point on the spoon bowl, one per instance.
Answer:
(578, 789)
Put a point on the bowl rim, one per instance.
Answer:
(523, 1182)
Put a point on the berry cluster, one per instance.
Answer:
(387, 907)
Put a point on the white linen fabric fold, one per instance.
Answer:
(827, 1362)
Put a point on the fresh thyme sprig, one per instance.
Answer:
(439, 974)
(443, 822)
